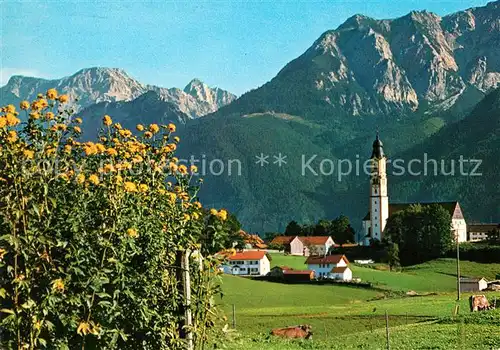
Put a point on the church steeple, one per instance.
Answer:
(378, 148)
(379, 201)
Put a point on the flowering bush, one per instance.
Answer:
(90, 235)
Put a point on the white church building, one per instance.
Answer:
(380, 209)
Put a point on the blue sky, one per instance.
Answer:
(236, 45)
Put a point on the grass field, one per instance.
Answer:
(349, 317)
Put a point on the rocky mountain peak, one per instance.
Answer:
(102, 84)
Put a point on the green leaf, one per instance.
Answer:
(7, 311)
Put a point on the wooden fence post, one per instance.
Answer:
(387, 330)
(234, 316)
(184, 283)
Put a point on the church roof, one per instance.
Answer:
(378, 148)
(451, 207)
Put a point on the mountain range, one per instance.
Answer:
(428, 84)
(101, 85)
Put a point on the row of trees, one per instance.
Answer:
(339, 229)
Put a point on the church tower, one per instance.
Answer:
(379, 202)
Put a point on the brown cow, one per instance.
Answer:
(478, 303)
(301, 331)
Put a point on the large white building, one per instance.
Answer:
(248, 263)
(380, 210)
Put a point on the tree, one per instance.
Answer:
(341, 230)
(422, 233)
(293, 229)
(393, 256)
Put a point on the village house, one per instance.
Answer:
(380, 209)
(287, 274)
(248, 263)
(304, 245)
(330, 266)
(473, 284)
(480, 232)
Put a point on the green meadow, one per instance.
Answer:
(345, 317)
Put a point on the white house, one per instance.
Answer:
(248, 263)
(330, 266)
(341, 273)
(480, 232)
(316, 245)
(304, 245)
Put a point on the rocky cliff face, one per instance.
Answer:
(95, 85)
(417, 61)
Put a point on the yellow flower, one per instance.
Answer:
(177, 139)
(63, 98)
(222, 214)
(197, 205)
(213, 212)
(196, 216)
(83, 328)
(94, 179)
(51, 94)
(12, 136)
(49, 115)
(119, 179)
(89, 148)
(36, 106)
(107, 120)
(187, 217)
(194, 168)
(111, 152)
(78, 120)
(2, 253)
(11, 119)
(3, 122)
(35, 115)
(171, 127)
(148, 134)
(172, 196)
(109, 168)
(175, 159)
(139, 127)
(10, 109)
(130, 187)
(58, 285)
(154, 128)
(28, 154)
(132, 232)
(80, 178)
(61, 127)
(24, 105)
(173, 167)
(39, 96)
(100, 147)
(77, 129)
(125, 133)
(182, 169)
(143, 188)
(137, 159)
(50, 151)
(117, 126)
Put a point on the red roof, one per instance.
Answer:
(329, 259)
(314, 240)
(282, 239)
(339, 269)
(248, 255)
(297, 272)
